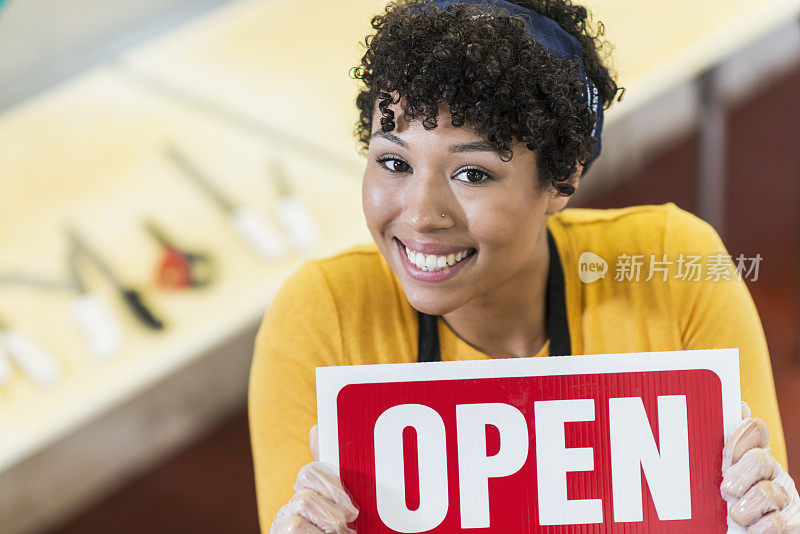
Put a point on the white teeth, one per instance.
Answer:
(419, 261)
(432, 262)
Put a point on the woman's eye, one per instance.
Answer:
(470, 175)
(474, 176)
(394, 164)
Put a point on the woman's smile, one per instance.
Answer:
(433, 267)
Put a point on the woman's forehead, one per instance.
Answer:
(414, 127)
(444, 134)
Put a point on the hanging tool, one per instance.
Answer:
(15, 279)
(293, 213)
(132, 297)
(257, 231)
(92, 314)
(5, 367)
(178, 267)
(36, 362)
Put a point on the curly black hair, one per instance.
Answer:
(490, 74)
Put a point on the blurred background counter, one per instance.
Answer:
(217, 121)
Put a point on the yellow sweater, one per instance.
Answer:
(349, 308)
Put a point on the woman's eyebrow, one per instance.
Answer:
(475, 146)
(389, 137)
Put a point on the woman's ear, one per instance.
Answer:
(558, 202)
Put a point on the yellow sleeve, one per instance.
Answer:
(299, 332)
(722, 314)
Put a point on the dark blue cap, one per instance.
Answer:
(558, 42)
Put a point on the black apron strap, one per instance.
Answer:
(556, 304)
(555, 310)
(428, 340)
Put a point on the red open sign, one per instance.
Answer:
(619, 443)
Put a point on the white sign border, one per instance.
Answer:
(330, 380)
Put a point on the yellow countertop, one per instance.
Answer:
(90, 152)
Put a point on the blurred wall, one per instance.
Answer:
(43, 42)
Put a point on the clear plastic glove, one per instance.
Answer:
(763, 496)
(320, 503)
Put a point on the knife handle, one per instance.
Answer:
(137, 305)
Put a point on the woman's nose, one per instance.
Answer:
(426, 199)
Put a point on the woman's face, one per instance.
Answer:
(493, 210)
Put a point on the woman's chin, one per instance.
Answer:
(430, 304)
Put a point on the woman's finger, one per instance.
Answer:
(300, 525)
(316, 509)
(750, 434)
(772, 523)
(288, 522)
(764, 497)
(322, 478)
(754, 465)
(313, 441)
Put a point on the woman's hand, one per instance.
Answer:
(320, 503)
(763, 496)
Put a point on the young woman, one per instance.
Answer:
(479, 120)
